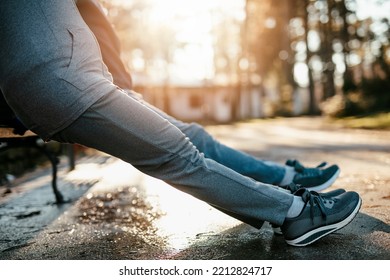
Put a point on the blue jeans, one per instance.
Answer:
(53, 77)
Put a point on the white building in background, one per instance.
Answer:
(216, 103)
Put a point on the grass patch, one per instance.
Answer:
(376, 121)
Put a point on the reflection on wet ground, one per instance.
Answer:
(127, 213)
(123, 206)
(124, 221)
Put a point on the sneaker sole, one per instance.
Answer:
(327, 184)
(320, 232)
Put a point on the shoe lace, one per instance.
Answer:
(293, 187)
(313, 198)
(300, 168)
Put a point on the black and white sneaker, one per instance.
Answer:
(320, 217)
(314, 179)
(294, 189)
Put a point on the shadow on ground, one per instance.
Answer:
(364, 239)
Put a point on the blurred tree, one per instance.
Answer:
(366, 77)
(267, 52)
(346, 38)
(143, 43)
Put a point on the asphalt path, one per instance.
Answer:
(116, 212)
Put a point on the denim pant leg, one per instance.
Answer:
(263, 171)
(125, 128)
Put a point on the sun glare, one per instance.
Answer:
(192, 22)
(370, 8)
(192, 57)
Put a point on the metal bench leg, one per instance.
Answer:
(13, 143)
(54, 161)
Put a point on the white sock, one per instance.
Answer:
(296, 207)
(288, 176)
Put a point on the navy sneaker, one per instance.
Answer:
(320, 217)
(314, 179)
(294, 189)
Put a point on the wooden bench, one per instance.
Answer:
(14, 135)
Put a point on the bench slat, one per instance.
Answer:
(8, 132)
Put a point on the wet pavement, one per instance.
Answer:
(115, 212)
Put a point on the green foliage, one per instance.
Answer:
(375, 121)
(378, 92)
(342, 105)
(372, 96)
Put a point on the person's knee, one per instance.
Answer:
(198, 135)
(195, 129)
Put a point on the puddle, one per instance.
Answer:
(124, 206)
(128, 217)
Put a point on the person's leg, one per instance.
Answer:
(158, 148)
(123, 127)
